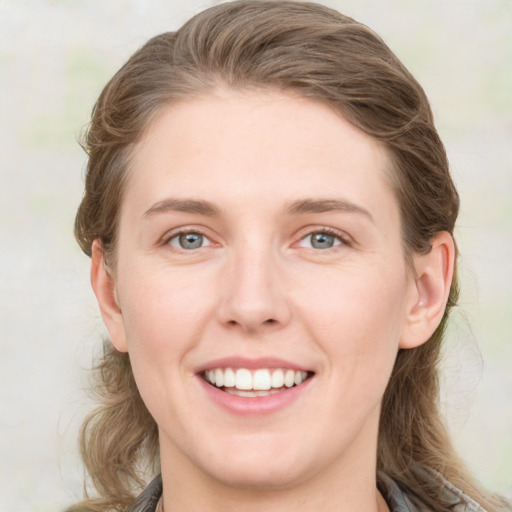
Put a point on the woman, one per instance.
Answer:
(270, 217)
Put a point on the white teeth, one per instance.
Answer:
(289, 378)
(219, 378)
(229, 378)
(243, 379)
(299, 377)
(239, 392)
(261, 381)
(277, 379)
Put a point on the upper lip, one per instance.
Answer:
(251, 364)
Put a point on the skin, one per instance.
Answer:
(258, 288)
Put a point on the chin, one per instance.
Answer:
(269, 477)
(269, 464)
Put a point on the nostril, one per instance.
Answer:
(268, 321)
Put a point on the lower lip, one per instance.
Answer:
(254, 405)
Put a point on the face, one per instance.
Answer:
(262, 287)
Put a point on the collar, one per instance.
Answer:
(398, 498)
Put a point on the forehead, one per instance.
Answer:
(252, 144)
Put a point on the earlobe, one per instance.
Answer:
(103, 284)
(431, 288)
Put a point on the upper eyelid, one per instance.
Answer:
(169, 235)
(342, 235)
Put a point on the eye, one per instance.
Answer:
(189, 241)
(320, 240)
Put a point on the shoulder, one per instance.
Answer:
(401, 498)
(148, 499)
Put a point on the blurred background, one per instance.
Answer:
(56, 55)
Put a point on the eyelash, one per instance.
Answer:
(340, 236)
(175, 234)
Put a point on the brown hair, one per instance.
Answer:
(323, 55)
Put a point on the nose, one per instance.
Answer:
(254, 296)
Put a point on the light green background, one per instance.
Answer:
(54, 58)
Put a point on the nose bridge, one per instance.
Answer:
(253, 293)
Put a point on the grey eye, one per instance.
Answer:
(320, 240)
(188, 241)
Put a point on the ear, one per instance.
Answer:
(104, 287)
(430, 291)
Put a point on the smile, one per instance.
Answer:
(254, 383)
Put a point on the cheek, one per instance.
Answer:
(357, 319)
(164, 317)
(357, 298)
(163, 312)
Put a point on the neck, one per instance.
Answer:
(309, 499)
(249, 503)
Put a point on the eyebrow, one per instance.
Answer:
(305, 206)
(299, 207)
(183, 205)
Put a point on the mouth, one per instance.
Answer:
(259, 382)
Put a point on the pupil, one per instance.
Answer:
(322, 241)
(191, 240)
